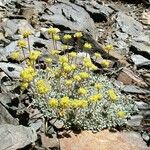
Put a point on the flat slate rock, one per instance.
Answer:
(128, 24)
(70, 16)
(15, 137)
(104, 140)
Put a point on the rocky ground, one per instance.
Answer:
(124, 24)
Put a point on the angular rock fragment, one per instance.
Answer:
(16, 137)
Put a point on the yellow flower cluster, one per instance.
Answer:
(52, 30)
(22, 44)
(87, 63)
(108, 47)
(82, 91)
(67, 37)
(98, 86)
(78, 35)
(79, 103)
(69, 82)
(34, 55)
(65, 102)
(42, 86)
(87, 46)
(54, 52)
(96, 98)
(121, 114)
(26, 34)
(97, 55)
(84, 75)
(73, 54)
(112, 95)
(105, 63)
(53, 103)
(56, 37)
(15, 55)
(63, 59)
(24, 85)
(28, 74)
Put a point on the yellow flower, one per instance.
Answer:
(105, 63)
(63, 59)
(67, 37)
(112, 95)
(121, 114)
(15, 55)
(48, 60)
(65, 102)
(87, 46)
(98, 86)
(26, 34)
(34, 55)
(82, 91)
(108, 47)
(27, 74)
(97, 55)
(96, 98)
(42, 86)
(78, 35)
(64, 47)
(93, 67)
(82, 104)
(69, 82)
(67, 68)
(77, 78)
(52, 30)
(73, 54)
(53, 103)
(84, 75)
(54, 52)
(24, 85)
(56, 37)
(22, 44)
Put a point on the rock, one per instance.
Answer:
(50, 143)
(135, 121)
(103, 140)
(142, 38)
(70, 16)
(15, 137)
(135, 90)
(5, 117)
(128, 77)
(145, 19)
(97, 11)
(36, 125)
(140, 48)
(121, 35)
(140, 61)
(129, 25)
(146, 136)
(5, 99)
(58, 124)
(12, 70)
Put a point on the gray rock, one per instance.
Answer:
(142, 105)
(140, 60)
(57, 123)
(15, 137)
(142, 38)
(5, 99)
(129, 25)
(5, 117)
(121, 35)
(135, 121)
(140, 48)
(135, 89)
(37, 125)
(97, 11)
(70, 16)
(12, 70)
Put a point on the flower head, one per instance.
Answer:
(73, 54)
(52, 30)
(15, 55)
(108, 47)
(48, 60)
(87, 46)
(105, 63)
(64, 47)
(121, 114)
(67, 37)
(78, 35)
(56, 37)
(34, 55)
(24, 85)
(97, 55)
(26, 34)
(77, 78)
(112, 95)
(53, 103)
(84, 75)
(22, 44)
(54, 52)
(69, 82)
(63, 59)
(27, 74)
(65, 102)
(96, 98)
(98, 86)
(42, 86)
(82, 91)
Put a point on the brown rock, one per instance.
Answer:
(103, 140)
(129, 77)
